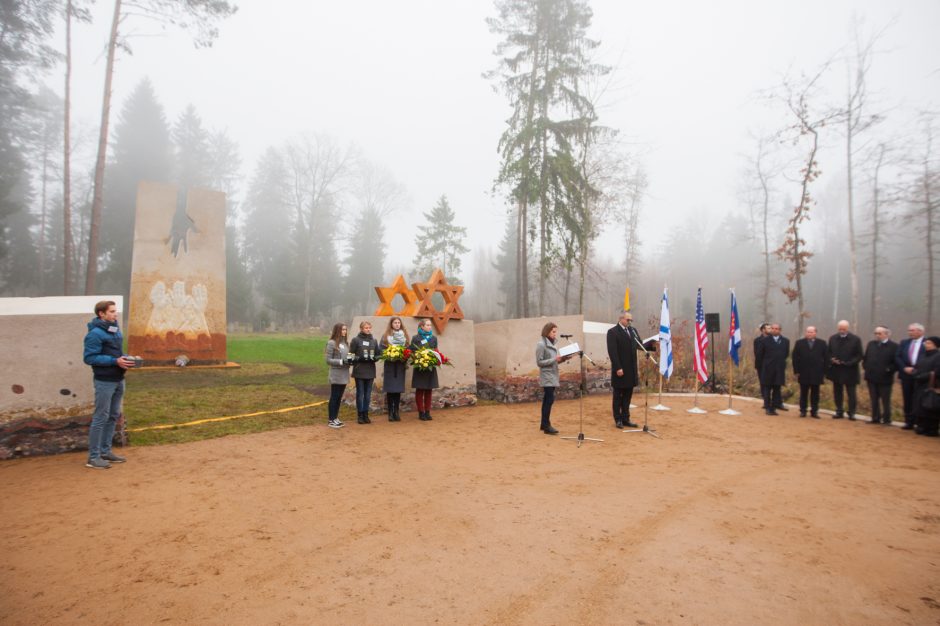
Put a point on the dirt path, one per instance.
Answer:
(478, 518)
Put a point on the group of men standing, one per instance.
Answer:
(815, 360)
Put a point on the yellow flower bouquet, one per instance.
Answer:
(426, 359)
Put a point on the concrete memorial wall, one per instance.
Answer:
(506, 367)
(457, 384)
(177, 299)
(46, 394)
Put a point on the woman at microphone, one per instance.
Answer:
(546, 356)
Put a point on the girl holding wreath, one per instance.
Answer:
(394, 337)
(424, 380)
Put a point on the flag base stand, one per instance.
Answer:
(633, 406)
(696, 410)
(660, 406)
(729, 412)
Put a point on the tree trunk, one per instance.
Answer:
(766, 294)
(928, 205)
(67, 158)
(875, 221)
(91, 273)
(853, 255)
(42, 215)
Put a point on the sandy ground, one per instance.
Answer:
(478, 518)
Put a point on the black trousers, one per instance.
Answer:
(771, 396)
(880, 396)
(621, 403)
(850, 392)
(907, 392)
(810, 392)
(392, 402)
(336, 396)
(548, 399)
(763, 393)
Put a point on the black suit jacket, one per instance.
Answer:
(621, 348)
(879, 363)
(903, 358)
(771, 360)
(847, 349)
(810, 364)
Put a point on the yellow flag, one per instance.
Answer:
(626, 299)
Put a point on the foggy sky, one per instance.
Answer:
(403, 81)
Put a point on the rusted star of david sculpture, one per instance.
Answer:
(451, 294)
(387, 295)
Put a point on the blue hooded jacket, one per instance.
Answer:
(103, 345)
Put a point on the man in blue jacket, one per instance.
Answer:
(104, 352)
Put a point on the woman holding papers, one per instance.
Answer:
(547, 358)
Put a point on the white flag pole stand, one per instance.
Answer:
(660, 406)
(695, 408)
(730, 410)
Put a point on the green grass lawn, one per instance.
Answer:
(277, 371)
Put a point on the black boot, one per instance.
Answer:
(361, 419)
(365, 416)
(390, 409)
(427, 416)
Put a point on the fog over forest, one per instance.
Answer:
(789, 150)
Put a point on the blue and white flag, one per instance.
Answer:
(734, 333)
(665, 339)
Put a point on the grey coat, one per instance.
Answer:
(336, 359)
(545, 353)
(393, 380)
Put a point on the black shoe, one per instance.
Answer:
(629, 424)
(851, 418)
(361, 419)
(886, 421)
(802, 413)
(397, 415)
(427, 417)
(771, 412)
(837, 416)
(548, 430)
(365, 416)
(814, 415)
(907, 427)
(874, 421)
(618, 424)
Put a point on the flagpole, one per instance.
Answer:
(735, 325)
(664, 358)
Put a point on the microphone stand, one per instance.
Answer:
(646, 390)
(581, 438)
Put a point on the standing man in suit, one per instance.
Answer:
(762, 331)
(909, 352)
(845, 353)
(879, 365)
(622, 343)
(771, 360)
(810, 360)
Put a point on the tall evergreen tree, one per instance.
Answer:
(141, 152)
(439, 243)
(365, 258)
(505, 264)
(193, 160)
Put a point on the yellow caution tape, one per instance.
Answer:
(224, 419)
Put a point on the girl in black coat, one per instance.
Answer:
(424, 382)
(393, 377)
(365, 351)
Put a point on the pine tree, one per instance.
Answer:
(439, 243)
(365, 259)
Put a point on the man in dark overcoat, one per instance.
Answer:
(845, 353)
(762, 331)
(623, 341)
(880, 365)
(810, 359)
(771, 361)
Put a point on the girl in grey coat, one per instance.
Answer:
(336, 357)
(546, 356)
(393, 377)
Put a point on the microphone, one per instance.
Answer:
(567, 336)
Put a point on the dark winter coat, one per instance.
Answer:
(103, 346)
(424, 380)
(847, 349)
(903, 357)
(810, 364)
(879, 362)
(393, 375)
(770, 358)
(927, 363)
(365, 351)
(622, 346)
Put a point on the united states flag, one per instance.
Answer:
(701, 340)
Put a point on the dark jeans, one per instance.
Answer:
(423, 400)
(907, 392)
(548, 399)
(880, 402)
(837, 397)
(813, 392)
(621, 403)
(364, 394)
(336, 397)
(771, 396)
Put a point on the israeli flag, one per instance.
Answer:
(665, 339)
